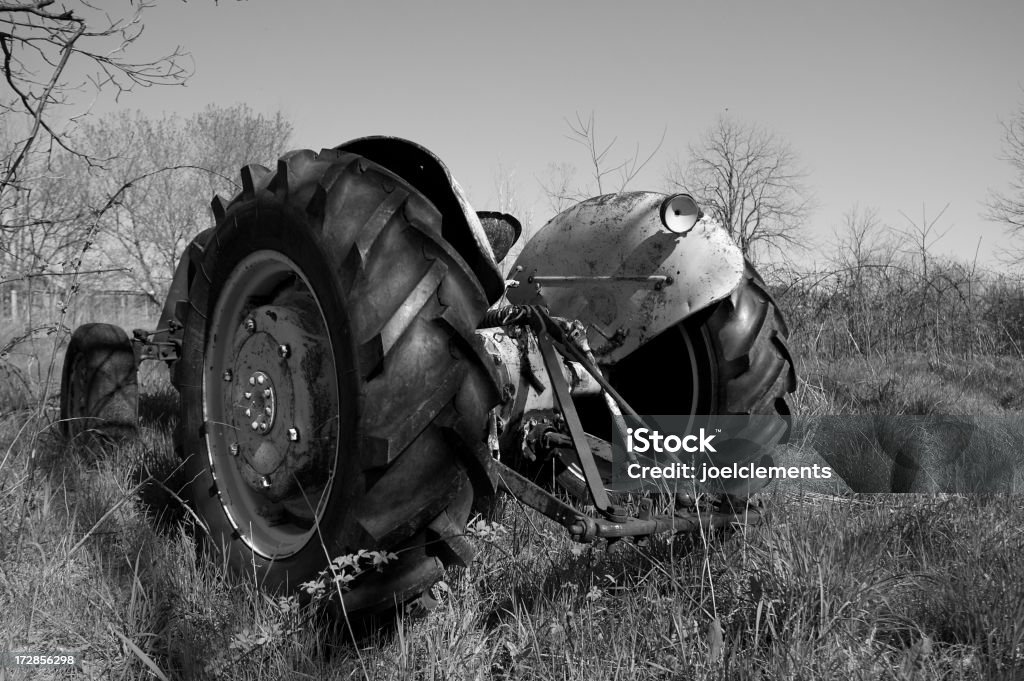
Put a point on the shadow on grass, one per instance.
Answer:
(916, 423)
(162, 499)
(159, 409)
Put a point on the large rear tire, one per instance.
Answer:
(754, 373)
(729, 360)
(333, 394)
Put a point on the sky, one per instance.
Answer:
(892, 105)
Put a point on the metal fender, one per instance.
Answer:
(611, 263)
(177, 294)
(176, 304)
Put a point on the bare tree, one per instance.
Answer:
(51, 209)
(1008, 207)
(509, 201)
(560, 186)
(863, 241)
(748, 180)
(606, 175)
(54, 61)
(51, 58)
(922, 237)
(171, 167)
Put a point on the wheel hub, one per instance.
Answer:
(262, 400)
(268, 406)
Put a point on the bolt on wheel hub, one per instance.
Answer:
(261, 401)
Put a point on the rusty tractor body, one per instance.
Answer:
(611, 263)
(355, 372)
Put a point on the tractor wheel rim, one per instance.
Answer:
(271, 404)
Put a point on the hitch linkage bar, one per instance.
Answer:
(552, 334)
(584, 528)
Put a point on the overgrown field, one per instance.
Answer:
(98, 558)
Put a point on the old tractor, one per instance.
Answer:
(355, 372)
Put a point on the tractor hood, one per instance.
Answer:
(611, 263)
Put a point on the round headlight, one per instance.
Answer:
(679, 213)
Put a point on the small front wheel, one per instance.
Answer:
(99, 390)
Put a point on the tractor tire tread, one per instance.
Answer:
(756, 371)
(412, 304)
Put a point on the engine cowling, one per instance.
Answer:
(612, 263)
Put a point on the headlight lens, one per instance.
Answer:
(680, 213)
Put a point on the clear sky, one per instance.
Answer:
(889, 104)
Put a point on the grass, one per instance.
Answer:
(98, 559)
(914, 422)
(912, 383)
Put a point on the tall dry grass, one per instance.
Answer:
(99, 558)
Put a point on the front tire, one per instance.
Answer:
(99, 391)
(333, 396)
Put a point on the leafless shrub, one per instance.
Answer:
(885, 292)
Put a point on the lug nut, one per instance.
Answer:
(260, 379)
(250, 324)
(268, 411)
(248, 395)
(293, 434)
(284, 351)
(248, 412)
(263, 427)
(255, 425)
(227, 375)
(265, 482)
(234, 449)
(267, 392)
(252, 380)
